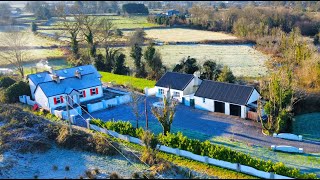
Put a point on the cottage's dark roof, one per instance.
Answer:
(225, 92)
(175, 80)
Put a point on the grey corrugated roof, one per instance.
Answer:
(225, 92)
(175, 80)
(63, 73)
(52, 88)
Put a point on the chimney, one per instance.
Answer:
(197, 80)
(56, 78)
(78, 74)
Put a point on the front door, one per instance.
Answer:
(192, 102)
(183, 100)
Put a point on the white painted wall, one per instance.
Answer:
(207, 105)
(192, 86)
(244, 112)
(89, 97)
(41, 99)
(227, 108)
(254, 96)
(32, 88)
(171, 92)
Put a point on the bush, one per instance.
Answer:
(12, 93)
(5, 82)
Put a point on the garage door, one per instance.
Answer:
(235, 110)
(218, 107)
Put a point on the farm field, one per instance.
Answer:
(36, 40)
(39, 54)
(242, 59)
(123, 22)
(308, 126)
(184, 35)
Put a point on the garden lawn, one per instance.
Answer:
(307, 163)
(137, 83)
(307, 125)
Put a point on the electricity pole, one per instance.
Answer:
(146, 112)
(68, 112)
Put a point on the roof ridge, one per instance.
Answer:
(228, 83)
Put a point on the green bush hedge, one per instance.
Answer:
(5, 82)
(12, 93)
(206, 149)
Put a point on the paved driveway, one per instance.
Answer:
(203, 125)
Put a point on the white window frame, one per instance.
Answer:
(81, 94)
(94, 92)
(176, 94)
(58, 100)
(161, 91)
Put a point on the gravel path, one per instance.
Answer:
(204, 125)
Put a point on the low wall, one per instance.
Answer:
(64, 114)
(95, 107)
(26, 100)
(124, 99)
(190, 155)
(150, 91)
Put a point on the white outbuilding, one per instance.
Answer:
(231, 99)
(181, 85)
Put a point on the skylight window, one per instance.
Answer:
(80, 68)
(38, 75)
(65, 71)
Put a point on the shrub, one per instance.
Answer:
(55, 167)
(5, 82)
(114, 175)
(67, 168)
(12, 93)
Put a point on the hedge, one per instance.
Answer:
(5, 82)
(12, 93)
(205, 148)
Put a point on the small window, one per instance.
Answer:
(203, 100)
(94, 91)
(176, 94)
(58, 100)
(161, 91)
(82, 94)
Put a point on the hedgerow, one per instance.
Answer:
(206, 148)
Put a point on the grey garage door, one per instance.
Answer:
(235, 110)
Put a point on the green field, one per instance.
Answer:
(307, 125)
(137, 83)
(242, 59)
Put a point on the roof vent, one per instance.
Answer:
(39, 76)
(65, 71)
(80, 68)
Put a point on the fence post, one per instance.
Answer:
(178, 151)
(206, 159)
(271, 175)
(88, 123)
(238, 167)
(72, 119)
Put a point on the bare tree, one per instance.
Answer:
(88, 28)
(14, 43)
(70, 27)
(166, 113)
(136, 100)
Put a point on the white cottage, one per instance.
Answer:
(180, 84)
(49, 89)
(231, 99)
